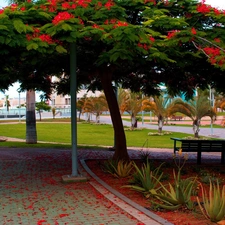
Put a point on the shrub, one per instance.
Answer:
(118, 168)
(178, 195)
(175, 196)
(145, 179)
(213, 207)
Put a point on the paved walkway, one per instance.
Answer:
(32, 192)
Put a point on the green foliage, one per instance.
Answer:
(32, 46)
(174, 196)
(118, 168)
(3, 27)
(177, 195)
(213, 206)
(60, 49)
(145, 179)
(20, 26)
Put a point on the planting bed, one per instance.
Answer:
(182, 216)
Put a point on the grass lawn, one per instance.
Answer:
(88, 134)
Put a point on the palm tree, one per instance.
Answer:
(7, 103)
(132, 104)
(160, 107)
(31, 131)
(80, 105)
(96, 106)
(195, 109)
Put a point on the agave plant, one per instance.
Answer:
(118, 168)
(213, 207)
(145, 179)
(175, 196)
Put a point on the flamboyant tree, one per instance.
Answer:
(138, 44)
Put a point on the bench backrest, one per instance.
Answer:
(202, 145)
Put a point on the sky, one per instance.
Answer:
(12, 92)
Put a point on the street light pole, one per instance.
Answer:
(73, 101)
(211, 96)
(19, 108)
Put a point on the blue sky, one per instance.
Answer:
(12, 92)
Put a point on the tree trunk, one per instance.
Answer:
(119, 134)
(196, 124)
(31, 132)
(40, 115)
(79, 116)
(97, 118)
(133, 122)
(160, 124)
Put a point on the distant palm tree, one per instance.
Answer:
(131, 103)
(80, 105)
(7, 103)
(96, 106)
(160, 107)
(195, 109)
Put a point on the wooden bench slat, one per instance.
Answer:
(200, 146)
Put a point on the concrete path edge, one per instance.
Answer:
(155, 219)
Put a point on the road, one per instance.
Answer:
(207, 132)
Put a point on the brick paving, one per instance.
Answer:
(32, 192)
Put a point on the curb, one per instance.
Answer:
(143, 215)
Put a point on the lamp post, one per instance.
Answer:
(211, 97)
(19, 108)
(73, 89)
(142, 113)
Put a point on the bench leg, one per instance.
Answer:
(199, 156)
(222, 157)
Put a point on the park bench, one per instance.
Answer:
(200, 146)
(176, 117)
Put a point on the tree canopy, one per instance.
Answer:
(139, 44)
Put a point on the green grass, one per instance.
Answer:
(88, 134)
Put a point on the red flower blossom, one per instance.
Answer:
(96, 26)
(109, 4)
(53, 2)
(144, 46)
(61, 17)
(172, 33)
(13, 7)
(122, 24)
(46, 38)
(22, 8)
(99, 4)
(83, 3)
(1, 11)
(153, 1)
(73, 6)
(217, 40)
(216, 11)
(43, 7)
(40, 222)
(211, 51)
(203, 8)
(65, 5)
(63, 215)
(193, 31)
(152, 39)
